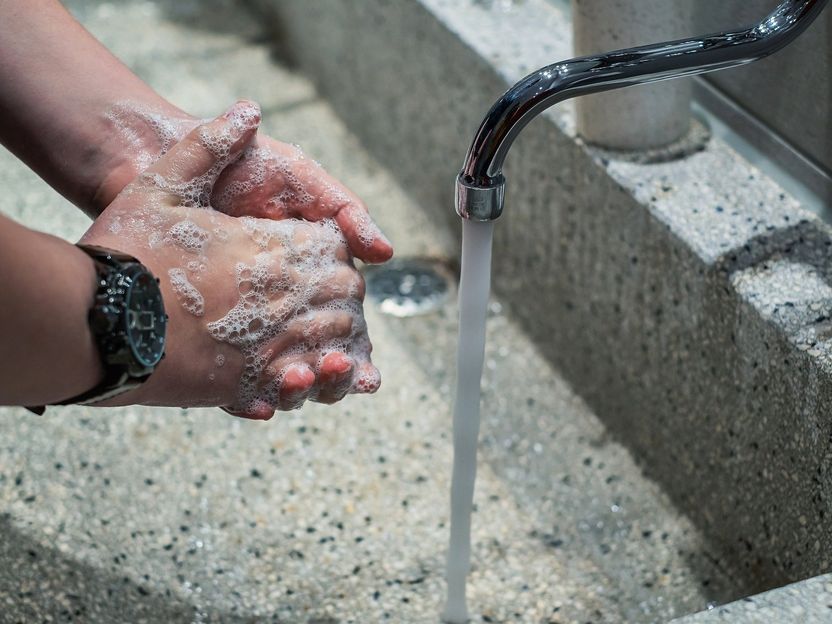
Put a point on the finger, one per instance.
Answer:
(366, 240)
(298, 381)
(332, 199)
(201, 156)
(258, 410)
(367, 379)
(334, 377)
(252, 188)
(274, 180)
(346, 283)
(311, 329)
(277, 181)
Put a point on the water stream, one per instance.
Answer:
(473, 305)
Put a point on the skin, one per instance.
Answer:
(154, 202)
(266, 198)
(61, 88)
(44, 357)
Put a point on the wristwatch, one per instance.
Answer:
(128, 323)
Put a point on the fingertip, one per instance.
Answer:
(336, 364)
(259, 410)
(298, 378)
(296, 386)
(264, 414)
(367, 380)
(335, 377)
(365, 239)
(380, 251)
(243, 113)
(243, 119)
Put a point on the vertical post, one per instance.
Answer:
(647, 116)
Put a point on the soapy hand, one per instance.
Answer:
(275, 180)
(271, 179)
(264, 314)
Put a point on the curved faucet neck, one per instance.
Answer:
(480, 184)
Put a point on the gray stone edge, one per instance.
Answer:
(807, 602)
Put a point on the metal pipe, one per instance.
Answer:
(480, 186)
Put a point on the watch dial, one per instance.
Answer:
(146, 320)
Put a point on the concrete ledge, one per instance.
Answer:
(687, 301)
(809, 602)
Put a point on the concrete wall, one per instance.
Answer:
(790, 92)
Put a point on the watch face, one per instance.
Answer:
(146, 320)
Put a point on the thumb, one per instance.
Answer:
(188, 171)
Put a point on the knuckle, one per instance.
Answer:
(359, 286)
(343, 323)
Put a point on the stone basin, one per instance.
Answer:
(654, 440)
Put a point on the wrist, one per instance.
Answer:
(47, 352)
(196, 370)
(128, 324)
(134, 136)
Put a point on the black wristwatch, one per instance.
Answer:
(128, 323)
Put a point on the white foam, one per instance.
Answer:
(146, 132)
(188, 236)
(190, 298)
(277, 294)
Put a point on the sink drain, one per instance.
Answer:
(408, 287)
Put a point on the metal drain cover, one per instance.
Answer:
(408, 286)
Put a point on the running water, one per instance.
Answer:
(473, 305)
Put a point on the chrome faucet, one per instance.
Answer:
(480, 186)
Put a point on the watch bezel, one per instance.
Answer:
(130, 275)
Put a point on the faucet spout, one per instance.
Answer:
(480, 186)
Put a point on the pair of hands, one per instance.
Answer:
(263, 297)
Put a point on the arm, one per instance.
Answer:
(47, 352)
(59, 89)
(86, 124)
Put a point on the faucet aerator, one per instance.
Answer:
(480, 202)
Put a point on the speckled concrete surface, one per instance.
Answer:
(329, 515)
(809, 602)
(646, 284)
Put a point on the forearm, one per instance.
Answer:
(60, 87)
(47, 353)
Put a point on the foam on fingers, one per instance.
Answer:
(335, 377)
(188, 171)
(367, 379)
(296, 386)
(291, 303)
(280, 318)
(365, 238)
(277, 181)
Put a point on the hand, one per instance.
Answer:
(275, 180)
(271, 179)
(263, 314)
